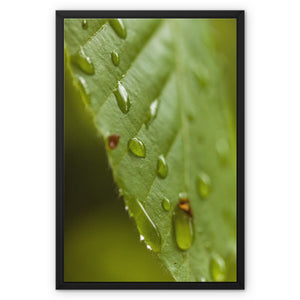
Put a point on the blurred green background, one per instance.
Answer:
(101, 242)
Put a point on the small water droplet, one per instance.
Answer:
(152, 113)
(119, 27)
(141, 237)
(223, 150)
(84, 24)
(203, 185)
(83, 61)
(115, 58)
(146, 226)
(122, 98)
(149, 247)
(162, 167)
(183, 223)
(217, 268)
(113, 141)
(166, 204)
(202, 279)
(126, 207)
(137, 147)
(84, 90)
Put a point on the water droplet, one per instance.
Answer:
(166, 204)
(202, 279)
(126, 207)
(113, 141)
(84, 90)
(149, 247)
(217, 268)
(83, 62)
(152, 113)
(115, 58)
(203, 185)
(223, 150)
(84, 24)
(183, 223)
(137, 147)
(162, 167)
(122, 98)
(119, 27)
(146, 226)
(141, 238)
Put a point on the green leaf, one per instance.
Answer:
(169, 98)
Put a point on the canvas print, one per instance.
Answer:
(150, 160)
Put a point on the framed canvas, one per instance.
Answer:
(149, 149)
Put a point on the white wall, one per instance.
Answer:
(27, 94)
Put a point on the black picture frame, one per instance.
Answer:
(60, 16)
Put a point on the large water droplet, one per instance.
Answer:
(146, 226)
(113, 141)
(84, 90)
(223, 150)
(162, 167)
(217, 268)
(166, 204)
(183, 224)
(115, 58)
(122, 98)
(119, 27)
(83, 62)
(152, 113)
(203, 185)
(137, 147)
(84, 24)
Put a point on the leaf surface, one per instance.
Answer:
(178, 64)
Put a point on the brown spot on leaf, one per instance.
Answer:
(113, 141)
(184, 204)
